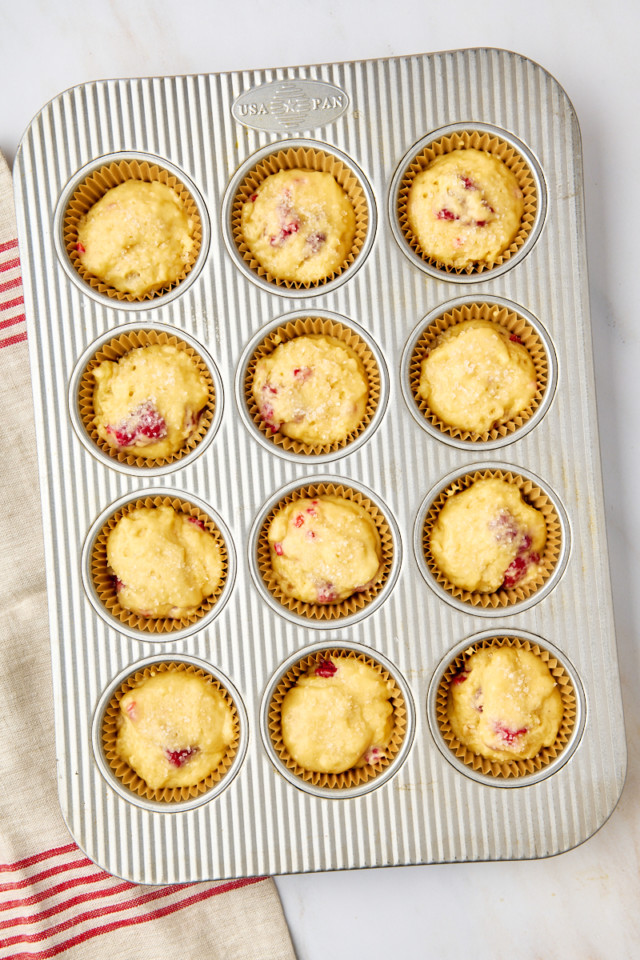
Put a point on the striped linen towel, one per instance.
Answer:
(54, 902)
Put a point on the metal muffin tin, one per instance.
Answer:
(429, 808)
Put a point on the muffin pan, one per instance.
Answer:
(427, 805)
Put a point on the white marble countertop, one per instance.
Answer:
(583, 904)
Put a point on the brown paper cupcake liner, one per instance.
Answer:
(476, 140)
(304, 327)
(355, 776)
(508, 768)
(114, 350)
(128, 776)
(104, 580)
(357, 601)
(511, 322)
(535, 497)
(93, 188)
(305, 159)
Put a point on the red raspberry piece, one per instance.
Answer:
(515, 572)
(468, 183)
(302, 373)
(445, 214)
(316, 241)
(178, 758)
(131, 711)
(374, 755)
(278, 549)
(481, 223)
(143, 424)
(515, 338)
(254, 198)
(266, 412)
(459, 677)
(505, 527)
(196, 521)
(525, 543)
(311, 535)
(327, 593)
(509, 735)
(298, 521)
(80, 248)
(325, 668)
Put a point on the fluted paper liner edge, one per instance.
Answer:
(103, 578)
(476, 140)
(355, 776)
(535, 497)
(304, 327)
(114, 350)
(508, 768)
(125, 774)
(357, 601)
(305, 159)
(93, 187)
(508, 320)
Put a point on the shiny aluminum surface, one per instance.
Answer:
(428, 810)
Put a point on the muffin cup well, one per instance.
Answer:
(553, 550)
(305, 157)
(93, 187)
(508, 768)
(125, 774)
(113, 350)
(355, 776)
(357, 602)
(517, 327)
(304, 326)
(464, 138)
(104, 581)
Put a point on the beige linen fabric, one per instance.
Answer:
(53, 900)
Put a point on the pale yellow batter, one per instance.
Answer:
(137, 238)
(299, 225)
(505, 705)
(338, 716)
(165, 562)
(312, 388)
(324, 549)
(148, 402)
(477, 376)
(174, 729)
(465, 207)
(487, 537)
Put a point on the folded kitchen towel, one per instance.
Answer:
(53, 900)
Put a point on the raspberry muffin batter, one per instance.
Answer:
(299, 225)
(312, 388)
(165, 563)
(137, 238)
(174, 729)
(504, 704)
(148, 403)
(324, 549)
(338, 716)
(476, 376)
(486, 537)
(464, 208)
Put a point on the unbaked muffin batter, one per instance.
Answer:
(148, 402)
(338, 715)
(174, 729)
(487, 537)
(137, 238)
(505, 705)
(324, 549)
(312, 388)
(165, 563)
(465, 207)
(476, 376)
(299, 225)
